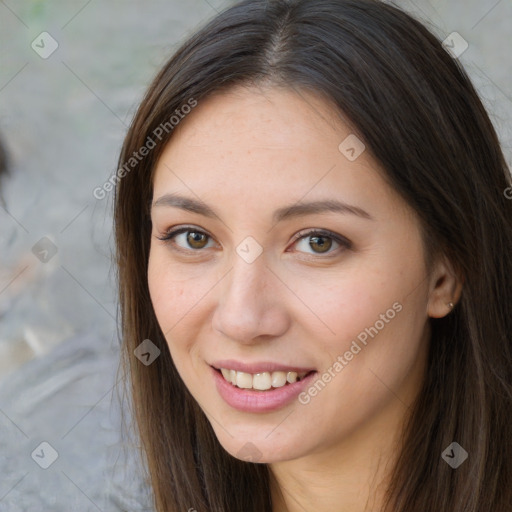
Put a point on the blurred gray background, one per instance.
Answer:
(63, 113)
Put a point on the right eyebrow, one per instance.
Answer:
(185, 203)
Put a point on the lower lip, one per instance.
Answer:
(248, 400)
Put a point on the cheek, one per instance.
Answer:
(379, 304)
(173, 304)
(173, 296)
(347, 303)
(178, 294)
(168, 298)
(379, 321)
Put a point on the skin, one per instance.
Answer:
(247, 152)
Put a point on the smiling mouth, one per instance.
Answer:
(261, 381)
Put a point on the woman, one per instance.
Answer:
(313, 242)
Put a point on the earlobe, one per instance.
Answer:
(445, 290)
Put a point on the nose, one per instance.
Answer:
(250, 303)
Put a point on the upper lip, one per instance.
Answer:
(259, 367)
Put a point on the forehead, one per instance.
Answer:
(268, 145)
(264, 118)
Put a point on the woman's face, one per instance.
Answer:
(295, 254)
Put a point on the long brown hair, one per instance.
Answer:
(417, 111)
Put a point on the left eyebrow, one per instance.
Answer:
(287, 212)
(328, 205)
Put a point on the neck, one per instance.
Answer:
(352, 476)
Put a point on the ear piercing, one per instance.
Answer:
(450, 305)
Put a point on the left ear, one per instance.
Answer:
(444, 290)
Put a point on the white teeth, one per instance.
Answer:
(261, 381)
(244, 380)
(278, 379)
(291, 377)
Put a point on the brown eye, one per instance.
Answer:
(196, 240)
(320, 243)
(187, 239)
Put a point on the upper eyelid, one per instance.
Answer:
(183, 229)
(322, 231)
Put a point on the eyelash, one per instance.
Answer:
(342, 241)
